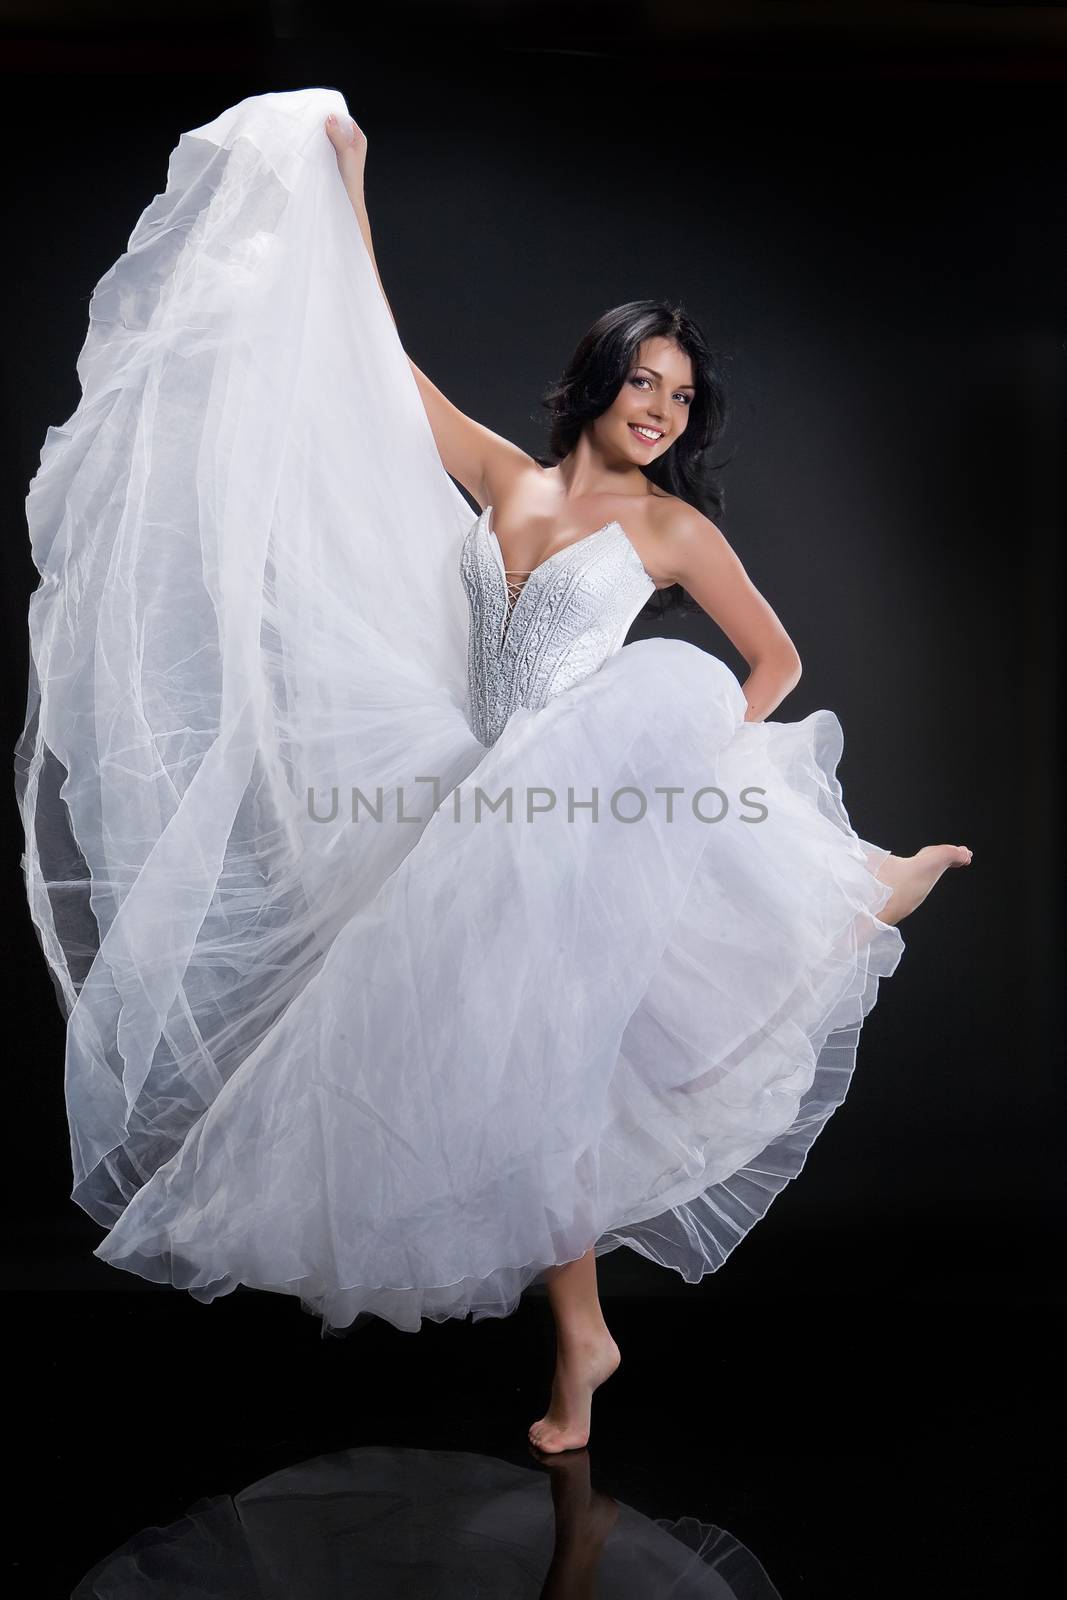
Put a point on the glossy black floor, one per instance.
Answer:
(849, 1418)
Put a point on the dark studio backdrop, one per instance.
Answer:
(868, 222)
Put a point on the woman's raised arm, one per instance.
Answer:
(481, 460)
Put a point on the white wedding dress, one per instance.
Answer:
(341, 1022)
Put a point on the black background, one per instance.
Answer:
(865, 213)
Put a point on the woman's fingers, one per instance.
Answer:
(344, 131)
(349, 146)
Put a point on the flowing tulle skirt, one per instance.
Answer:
(341, 1023)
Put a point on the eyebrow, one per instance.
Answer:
(642, 368)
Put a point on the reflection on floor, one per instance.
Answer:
(771, 1435)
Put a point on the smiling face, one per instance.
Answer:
(652, 407)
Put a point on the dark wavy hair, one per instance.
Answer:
(597, 370)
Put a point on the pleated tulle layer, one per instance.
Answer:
(395, 1061)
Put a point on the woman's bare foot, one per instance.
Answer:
(912, 877)
(582, 1365)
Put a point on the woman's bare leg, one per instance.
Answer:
(912, 877)
(586, 1355)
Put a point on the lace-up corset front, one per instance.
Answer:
(531, 640)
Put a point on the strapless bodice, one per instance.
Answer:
(573, 611)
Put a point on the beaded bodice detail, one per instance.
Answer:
(531, 640)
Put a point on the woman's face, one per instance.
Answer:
(655, 398)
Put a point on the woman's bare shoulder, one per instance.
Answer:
(680, 530)
(670, 511)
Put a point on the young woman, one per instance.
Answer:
(393, 1057)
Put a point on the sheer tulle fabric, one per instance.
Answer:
(392, 1066)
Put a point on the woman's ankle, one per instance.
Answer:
(580, 1333)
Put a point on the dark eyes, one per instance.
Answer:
(679, 395)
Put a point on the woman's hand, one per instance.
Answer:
(350, 147)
